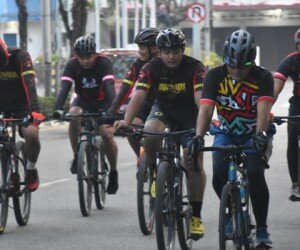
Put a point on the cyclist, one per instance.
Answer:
(290, 67)
(243, 95)
(145, 40)
(93, 78)
(18, 98)
(176, 80)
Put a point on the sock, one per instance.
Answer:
(30, 165)
(197, 206)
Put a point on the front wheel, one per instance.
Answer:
(22, 198)
(232, 231)
(84, 177)
(3, 192)
(145, 199)
(100, 175)
(165, 207)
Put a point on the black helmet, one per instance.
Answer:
(297, 36)
(4, 55)
(84, 45)
(147, 37)
(170, 39)
(239, 49)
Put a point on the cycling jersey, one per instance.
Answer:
(95, 83)
(128, 84)
(290, 67)
(17, 83)
(173, 89)
(236, 101)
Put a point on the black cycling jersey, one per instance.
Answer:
(128, 84)
(17, 83)
(236, 101)
(290, 67)
(174, 89)
(95, 83)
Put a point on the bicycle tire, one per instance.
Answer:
(22, 198)
(230, 207)
(165, 214)
(145, 201)
(4, 197)
(84, 177)
(249, 221)
(184, 213)
(100, 176)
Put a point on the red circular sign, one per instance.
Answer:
(196, 12)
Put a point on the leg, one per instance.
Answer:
(134, 141)
(32, 150)
(111, 152)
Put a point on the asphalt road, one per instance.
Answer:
(56, 221)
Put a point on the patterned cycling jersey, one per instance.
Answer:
(290, 67)
(89, 82)
(174, 89)
(128, 84)
(236, 101)
(17, 82)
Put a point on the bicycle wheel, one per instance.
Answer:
(249, 220)
(84, 177)
(100, 175)
(165, 214)
(184, 213)
(3, 192)
(232, 233)
(145, 200)
(22, 198)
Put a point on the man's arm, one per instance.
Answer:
(263, 115)
(63, 94)
(278, 86)
(135, 105)
(109, 88)
(204, 117)
(197, 97)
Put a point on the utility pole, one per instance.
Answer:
(136, 18)
(46, 29)
(124, 24)
(153, 14)
(117, 15)
(97, 24)
(144, 4)
(207, 28)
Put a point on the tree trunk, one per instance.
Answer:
(22, 16)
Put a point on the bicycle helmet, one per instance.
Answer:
(170, 39)
(297, 36)
(4, 55)
(147, 37)
(239, 49)
(84, 46)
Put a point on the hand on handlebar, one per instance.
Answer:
(260, 142)
(37, 118)
(120, 124)
(195, 145)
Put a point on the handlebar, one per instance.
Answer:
(285, 119)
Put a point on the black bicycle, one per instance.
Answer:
(92, 169)
(236, 220)
(296, 121)
(13, 173)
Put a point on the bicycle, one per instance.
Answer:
(235, 231)
(13, 172)
(295, 119)
(92, 169)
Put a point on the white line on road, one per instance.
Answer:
(53, 182)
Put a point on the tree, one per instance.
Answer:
(79, 16)
(22, 16)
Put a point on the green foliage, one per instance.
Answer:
(213, 61)
(46, 105)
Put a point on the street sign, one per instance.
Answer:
(196, 12)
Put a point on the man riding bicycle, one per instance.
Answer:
(93, 78)
(243, 95)
(290, 67)
(145, 40)
(176, 80)
(18, 98)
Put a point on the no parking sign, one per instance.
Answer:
(196, 12)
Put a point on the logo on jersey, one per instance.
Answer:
(88, 83)
(172, 88)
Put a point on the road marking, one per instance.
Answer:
(53, 182)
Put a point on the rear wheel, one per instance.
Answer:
(145, 199)
(165, 211)
(100, 175)
(3, 192)
(84, 178)
(232, 232)
(184, 214)
(22, 198)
